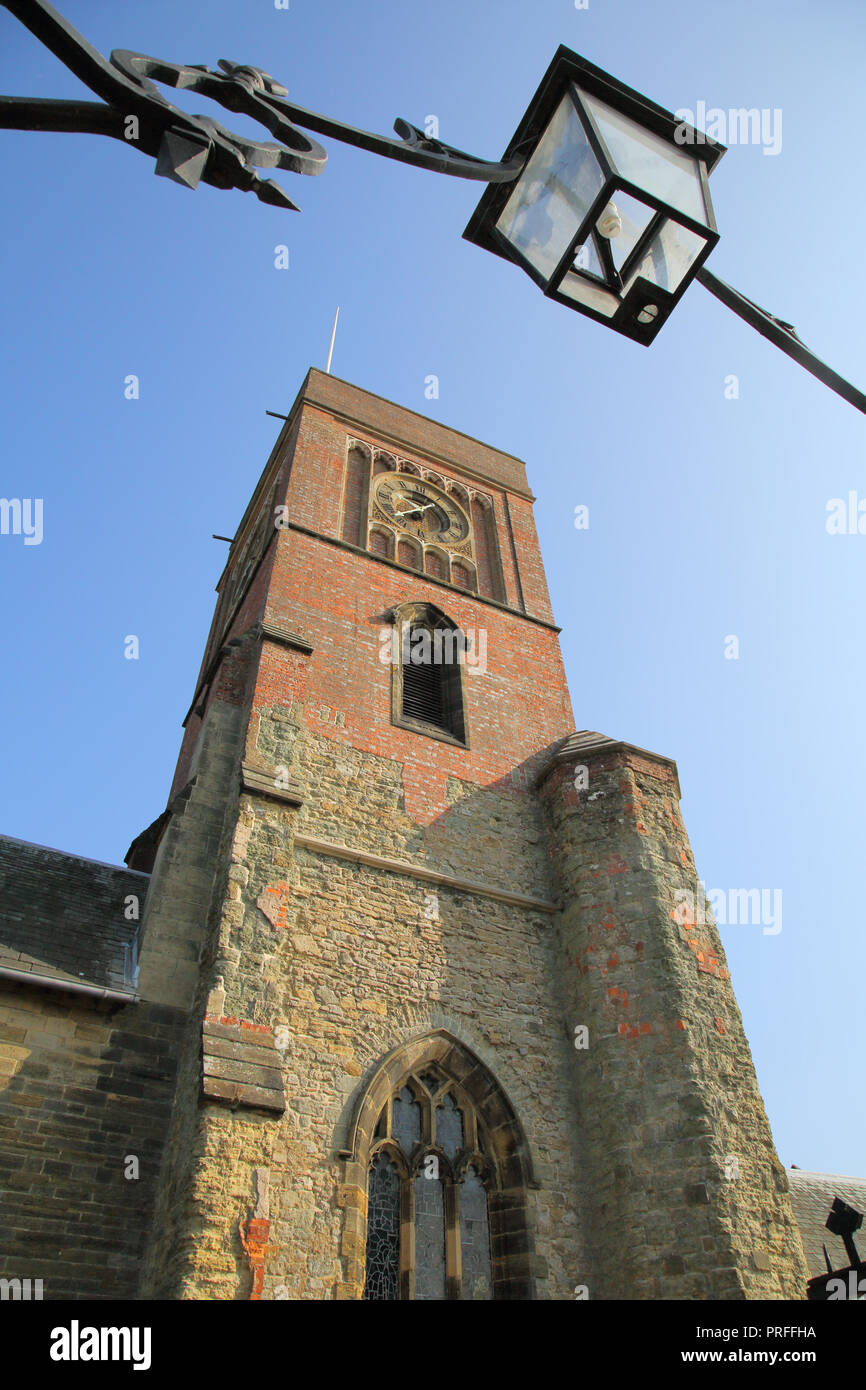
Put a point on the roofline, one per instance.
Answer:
(409, 411)
(306, 396)
(831, 1177)
(67, 854)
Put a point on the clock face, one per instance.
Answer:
(417, 506)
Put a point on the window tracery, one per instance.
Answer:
(428, 1227)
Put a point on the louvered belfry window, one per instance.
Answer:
(422, 682)
(431, 678)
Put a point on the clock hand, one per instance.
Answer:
(409, 510)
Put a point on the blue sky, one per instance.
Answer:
(707, 515)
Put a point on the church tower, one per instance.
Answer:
(451, 1028)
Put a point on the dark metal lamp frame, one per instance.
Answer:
(193, 149)
(567, 74)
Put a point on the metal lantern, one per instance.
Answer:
(611, 213)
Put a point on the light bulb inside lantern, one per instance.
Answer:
(610, 223)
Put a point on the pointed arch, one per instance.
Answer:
(492, 1164)
(428, 692)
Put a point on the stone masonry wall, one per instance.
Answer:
(84, 1087)
(188, 886)
(689, 1198)
(345, 962)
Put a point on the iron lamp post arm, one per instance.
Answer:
(413, 147)
(41, 113)
(782, 335)
(200, 148)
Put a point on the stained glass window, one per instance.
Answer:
(449, 1127)
(429, 1237)
(383, 1231)
(474, 1238)
(425, 1199)
(406, 1121)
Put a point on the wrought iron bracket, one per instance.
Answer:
(783, 335)
(194, 149)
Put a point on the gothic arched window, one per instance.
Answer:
(427, 690)
(428, 1226)
(436, 1181)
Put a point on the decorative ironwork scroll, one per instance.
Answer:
(194, 149)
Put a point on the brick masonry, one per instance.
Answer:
(363, 898)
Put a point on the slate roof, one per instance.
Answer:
(63, 916)
(812, 1196)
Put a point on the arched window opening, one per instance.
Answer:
(383, 1230)
(428, 1226)
(427, 691)
(474, 1237)
(406, 1120)
(449, 1127)
(459, 1194)
(430, 1273)
(460, 575)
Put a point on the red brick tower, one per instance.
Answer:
(377, 901)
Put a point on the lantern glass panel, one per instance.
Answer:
(578, 288)
(586, 259)
(669, 256)
(636, 217)
(557, 188)
(644, 158)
